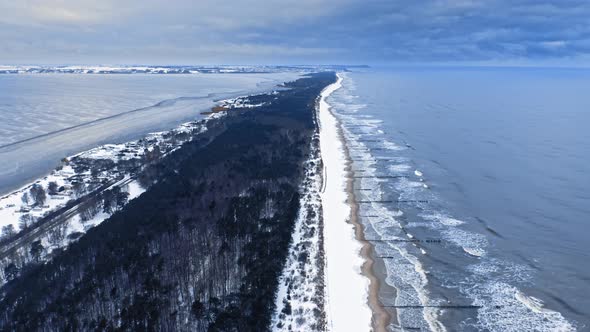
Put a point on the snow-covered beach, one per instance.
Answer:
(347, 289)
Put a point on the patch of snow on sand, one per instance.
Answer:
(346, 288)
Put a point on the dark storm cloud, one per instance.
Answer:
(293, 31)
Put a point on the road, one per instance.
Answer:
(55, 218)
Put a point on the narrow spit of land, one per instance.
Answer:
(201, 249)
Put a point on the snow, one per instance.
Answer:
(346, 288)
(106, 69)
(300, 283)
(69, 228)
(241, 102)
(12, 208)
(119, 165)
(59, 237)
(76, 169)
(110, 151)
(11, 204)
(134, 190)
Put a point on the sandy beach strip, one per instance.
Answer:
(381, 317)
(352, 302)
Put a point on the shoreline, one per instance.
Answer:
(379, 318)
(35, 155)
(11, 204)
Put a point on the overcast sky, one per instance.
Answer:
(294, 31)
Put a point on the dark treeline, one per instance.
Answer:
(201, 250)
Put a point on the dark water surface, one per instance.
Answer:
(493, 176)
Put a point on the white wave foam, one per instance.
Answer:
(504, 308)
(392, 146)
(443, 219)
(500, 270)
(397, 213)
(405, 184)
(399, 168)
(531, 302)
(404, 270)
(477, 252)
(489, 283)
(472, 243)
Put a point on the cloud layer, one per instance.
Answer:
(293, 31)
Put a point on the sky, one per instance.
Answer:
(295, 32)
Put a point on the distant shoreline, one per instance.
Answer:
(167, 101)
(32, 154)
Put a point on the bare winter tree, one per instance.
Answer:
(89, 209)
(121, 199)
(10, 271)
(52, 188)
(57, 235)
(7, 230)
(36, 250)
(38, 194)
(25, 198)
(25, 221)
(108, 201)
(79, 188)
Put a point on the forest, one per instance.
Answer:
(201, 249)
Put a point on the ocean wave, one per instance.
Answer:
(479, 277)
(472, 243)
(505, 308)
(443, 219)
(404, 184)
(392, 146)
(405, 272)
(399, 168)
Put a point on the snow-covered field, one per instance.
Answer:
(346, 288)
(12, 206)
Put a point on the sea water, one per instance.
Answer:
(473, 186)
